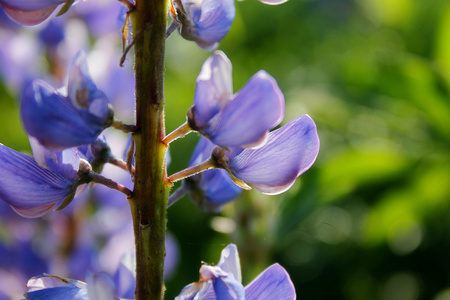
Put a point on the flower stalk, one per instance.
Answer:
(180, 132)
(149, 201)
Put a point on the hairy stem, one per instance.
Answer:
(180, 132)
(203, 166)
(97, 178)
(151, 189)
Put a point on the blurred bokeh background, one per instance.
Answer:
(371, 218)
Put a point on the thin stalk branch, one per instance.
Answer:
(121, 164)
(97, 178)
(203, 166)
(177, 195)
(180, 132)
(127, 4)
(128, 48)
(124, 127)
(129, 161)
(172, 27)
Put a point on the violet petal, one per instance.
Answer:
(214, 88)
(28, 187)
(255, 109)
(273, 283)
(53, 120)
(289, 151)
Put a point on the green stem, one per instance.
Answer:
(124, 127)
(151, 189)
(180, 132)
(203, 166)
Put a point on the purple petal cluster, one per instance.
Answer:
(29, 12)
(206, 21)
(62, 121)
(240, 124)
(224, 282)
(239, 120)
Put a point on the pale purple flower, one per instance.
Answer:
(206, 21)
(62, 121)
(29, 188)
(274, 167)
(224, 282)
(29, 12)
(239, 120)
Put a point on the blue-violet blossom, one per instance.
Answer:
(29, 12)
(274, 167)
(239, 120)
(62, 121)
(223, 282)
(31, 189)
(206, 21)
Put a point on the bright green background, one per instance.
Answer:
(371, 219)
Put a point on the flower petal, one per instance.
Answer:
(100, 287)
(273, 2)
(208, 21)
(66, 162)
(214, 88)
(30, 5)
(273, 283)
(53, 121)
(125, 277)
(230, 263)
(255, 109)
(49, 287)
(29, 12)
(29, 17)
(29, 187)
(83, 92)
(289, 151)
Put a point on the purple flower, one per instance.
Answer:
(59, 121)
(224, 282)
(212, 188)
(29, 12)
(98, 286)
(273, 168)
(272, 284)
(238, 120)
(206, 21)
(30, 189)
(273, 2)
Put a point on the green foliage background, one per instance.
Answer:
(371, 219)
